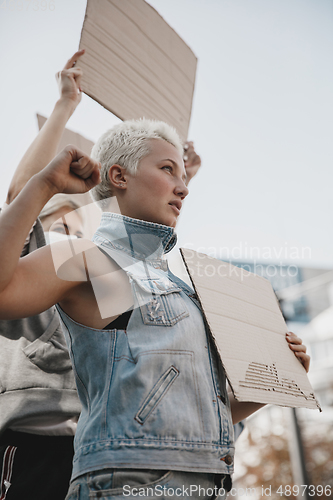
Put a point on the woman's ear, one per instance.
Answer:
(118, 177)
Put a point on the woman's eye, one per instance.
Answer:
(59, 229)
(167, 167)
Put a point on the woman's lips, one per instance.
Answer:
(176, 209)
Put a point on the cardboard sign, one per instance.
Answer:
(135, 64)
(249, 330)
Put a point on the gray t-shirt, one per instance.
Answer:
(36, 377)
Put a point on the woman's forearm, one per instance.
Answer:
(240, 411)
(43, 148)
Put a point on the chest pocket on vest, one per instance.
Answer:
(159, 300)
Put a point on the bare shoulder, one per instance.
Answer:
(80, 260)
(105, 292)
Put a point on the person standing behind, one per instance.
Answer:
(39, 407)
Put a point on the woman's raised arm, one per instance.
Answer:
(30, 285)
(45, 145)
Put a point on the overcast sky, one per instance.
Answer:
(261, 119)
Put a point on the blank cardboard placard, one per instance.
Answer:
(249, 331)
(91, 213)
(135, 64)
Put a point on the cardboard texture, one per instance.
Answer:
(91, 213)
(249, 330)
(135, 64)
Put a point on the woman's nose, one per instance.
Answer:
(181, 190)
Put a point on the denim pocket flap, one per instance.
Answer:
(160, 300)
(156, 394)
(156, 286)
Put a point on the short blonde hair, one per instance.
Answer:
(126, 144)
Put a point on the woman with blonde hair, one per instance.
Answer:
(156, 416)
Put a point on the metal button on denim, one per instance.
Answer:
(227, 459)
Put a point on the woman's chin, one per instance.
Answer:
(168, 221)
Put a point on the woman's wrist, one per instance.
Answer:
(43, 188)
(66, 105)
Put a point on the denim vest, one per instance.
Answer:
(154, 395)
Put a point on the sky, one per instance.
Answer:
(261, 118)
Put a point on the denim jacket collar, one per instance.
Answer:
(140, 240)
